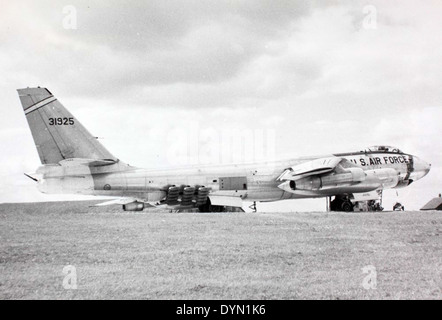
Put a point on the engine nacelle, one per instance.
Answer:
(133, 206)
(352, 180)
(388, 177)
(350, 176)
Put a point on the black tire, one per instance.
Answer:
(335, 205)
(347, 206)
(207, 207)
(218, 209)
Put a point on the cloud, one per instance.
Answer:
(142, 44)
(205, 54)
(414, 132)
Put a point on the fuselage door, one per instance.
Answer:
(233, 183)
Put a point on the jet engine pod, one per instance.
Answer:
(292, 184)
(357, 174)
(309, 183)
(349, 177)
(348, 180)
(133, 206)
(388, 177)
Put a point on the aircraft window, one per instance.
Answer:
(384, 149)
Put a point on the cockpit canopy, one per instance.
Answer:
(384, 149)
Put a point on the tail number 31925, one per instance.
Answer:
(61, 121)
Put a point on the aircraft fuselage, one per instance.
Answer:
(75, 162)
(253, 182)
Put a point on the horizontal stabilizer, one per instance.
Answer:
(73, 162)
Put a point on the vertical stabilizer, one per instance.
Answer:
(57, 134)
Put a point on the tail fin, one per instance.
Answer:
(57, 134)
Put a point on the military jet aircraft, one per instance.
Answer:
(75, 162)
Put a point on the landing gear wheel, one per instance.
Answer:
(218, 209)
(335, 204)
(347, 206)
(341, 203)
(207, 207)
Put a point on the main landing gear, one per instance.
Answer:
(341, 203)
(209, 207)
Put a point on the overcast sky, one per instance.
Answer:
(300, 77)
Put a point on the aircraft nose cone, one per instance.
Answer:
(421, 168)
(427, 169)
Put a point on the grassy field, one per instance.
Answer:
(154, 255)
